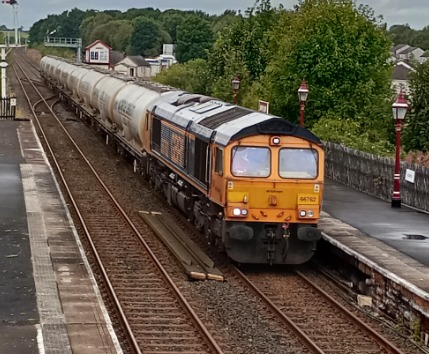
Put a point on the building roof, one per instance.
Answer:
(397, 48)
(95, 43)
(401, 71)
(408, 50)
(116, 57)
(138, 60)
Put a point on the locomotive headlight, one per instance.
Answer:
(239, 212)
(236, 211)
(302, 213)
(275, 140)
(310, 213)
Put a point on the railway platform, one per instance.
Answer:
(390, 245)
(49, 300)
(396, 239)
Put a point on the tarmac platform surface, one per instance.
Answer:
(49, 300)
(404, 229)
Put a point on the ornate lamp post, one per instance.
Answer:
(235, 87)
(302, 95)
(399, 108)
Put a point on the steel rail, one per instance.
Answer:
(379, 338)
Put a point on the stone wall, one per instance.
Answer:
(374, 175)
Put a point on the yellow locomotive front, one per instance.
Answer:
(272, 195)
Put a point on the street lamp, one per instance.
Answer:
(399, 108)
(235, 87)
(302, 95)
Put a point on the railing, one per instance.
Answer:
(7, 108)
(63, 42)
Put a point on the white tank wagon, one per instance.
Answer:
(86, 86)
(129, 112)
(102, 99)
(66, 73)
(47, 65)
(75, 81)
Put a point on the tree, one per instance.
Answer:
(242, 48)
(171, 19)
(341, 51)
(228, 18)
(194, 38)
(190, 77)
(416, 130)
(90, 23)
(69, 23)
(147, 37)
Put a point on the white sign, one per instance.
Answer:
(410, 175)
(263, 106)
(3, 64)
(13, 102)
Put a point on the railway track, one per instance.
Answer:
(320, 320)
(240, 320)
(154, 313)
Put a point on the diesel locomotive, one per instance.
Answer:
(251, 182)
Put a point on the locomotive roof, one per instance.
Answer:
(221, 122)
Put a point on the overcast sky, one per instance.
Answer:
(413, 12)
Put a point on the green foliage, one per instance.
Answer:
(242, 48)
(147, 37)
(56, 51)
(171, 19)
(416, 130)
(194, 38)
(190, 76)
(89, 25)
(341, 53)
(228, 18)
(350, 133)
(148, 12)
(64, 25)
(116, 34)
(69, 22)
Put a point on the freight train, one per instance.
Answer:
(250, 181)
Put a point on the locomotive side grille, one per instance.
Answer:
(217, 120)
(169, 142)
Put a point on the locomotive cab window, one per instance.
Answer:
(298, 163)
(249, 161)
(219, 161)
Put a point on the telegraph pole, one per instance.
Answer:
(3, 65)
(14, 4)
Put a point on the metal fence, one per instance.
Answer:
(7, 108)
